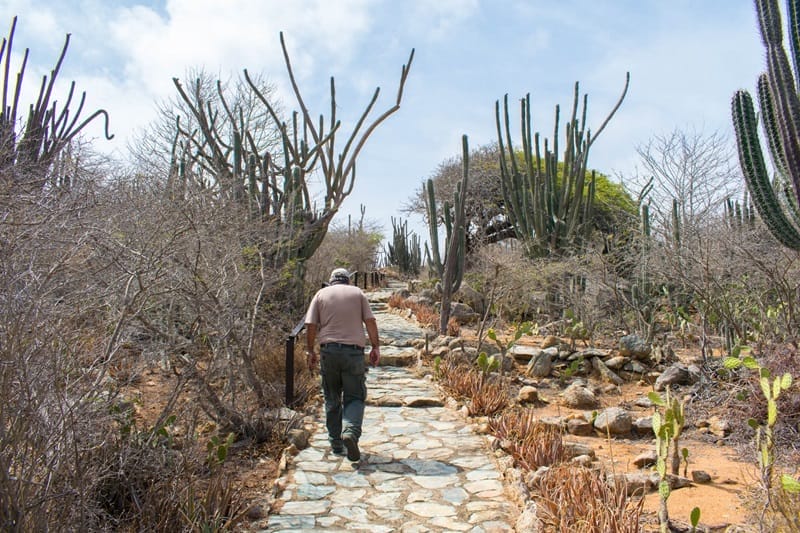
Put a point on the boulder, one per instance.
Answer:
(528, 394)
(529, 519)
(540, 366)
(472, 298)
(616, 362)
(299, 438)
(550, 340)
(430, 294)
(605, 372)
(614, 420)
(576, 449)
(719, 426)
(643, 426)
(634, 346)
(677, 374)
(582, 460)
(579, 397)
(645, 459)
(462, 313)
(636, 483)
(419, 299)
(579, 427)
(523, 353)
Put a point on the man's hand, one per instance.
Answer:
(311, 360)
(375, 356)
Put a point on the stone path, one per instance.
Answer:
(422, 467)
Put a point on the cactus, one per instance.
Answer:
(404, 253)
(676, 224)
(451, 269)
(278, 187)
(548, 201)
(27, 156)
(780, 111)
(771, 388)
(667, 428)
(738, 215)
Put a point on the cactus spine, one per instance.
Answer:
(780, 111)
(548, 201)
(451, 270)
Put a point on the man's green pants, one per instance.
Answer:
(343, 372)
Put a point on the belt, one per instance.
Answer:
(340, 345)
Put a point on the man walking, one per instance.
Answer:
(336, 315)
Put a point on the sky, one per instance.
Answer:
(685, 57)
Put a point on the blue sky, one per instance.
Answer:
(685, 57)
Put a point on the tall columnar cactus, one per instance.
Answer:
(27, 155)
(404, 252)
(780, 113)
(435, 262)
(548, 201)
(676, 224)
(451, 270)
(738, 215)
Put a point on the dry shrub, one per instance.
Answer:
(531, 442)
(748, 399)
(456, 378)
(578, 499)
(488, 397)
(396, 301)
(453, 327)
(351, 246)
(424, 314)
(217, 506)
(149, 486)
(485, 397)
(785, 508)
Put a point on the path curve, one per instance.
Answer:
(423, 468)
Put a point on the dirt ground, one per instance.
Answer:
(725, 501)
(721, 502)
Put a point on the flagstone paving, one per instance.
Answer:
(422, 467)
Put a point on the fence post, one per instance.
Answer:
(290, 370)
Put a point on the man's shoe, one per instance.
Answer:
(353, 454)
(337, 447)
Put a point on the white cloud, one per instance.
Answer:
(439, 19)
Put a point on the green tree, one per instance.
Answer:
(487, 217)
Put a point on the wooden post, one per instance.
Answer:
(290, 370)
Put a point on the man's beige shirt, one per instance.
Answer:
(339, 311)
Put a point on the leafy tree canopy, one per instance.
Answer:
(486, 215)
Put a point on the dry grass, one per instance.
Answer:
(488, 397)
(396, 301)
(578, 499)
(425, 315)
(453, 327)
(455, 378)
(531, 442)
